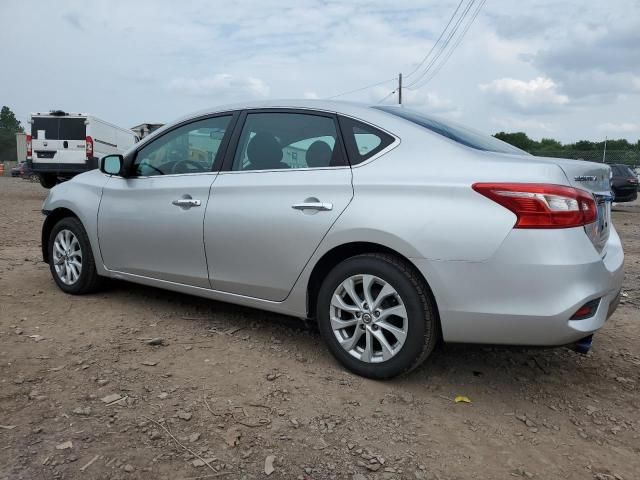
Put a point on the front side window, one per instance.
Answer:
(191, 148)
(279, 141)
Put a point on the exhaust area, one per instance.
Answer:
(584, 345)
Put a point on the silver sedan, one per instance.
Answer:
(393, 229)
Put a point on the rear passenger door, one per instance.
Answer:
(279, 193)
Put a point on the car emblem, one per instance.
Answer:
(585, 178)
(45, 144)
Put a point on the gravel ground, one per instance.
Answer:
(231, 392)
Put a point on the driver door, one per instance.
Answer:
(151, 223)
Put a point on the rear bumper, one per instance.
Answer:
(527, 292)
(64, 168)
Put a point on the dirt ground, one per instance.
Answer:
(237, 388)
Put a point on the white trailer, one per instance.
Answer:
(62, 145)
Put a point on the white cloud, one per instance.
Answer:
(538, 94)
(220, 84)
(172, 59)
(621, 128)
(428, 101)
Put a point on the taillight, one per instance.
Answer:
(538, 205)
(29, 148)
(89, 147)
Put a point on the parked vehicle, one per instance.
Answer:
(624, 183)
(16, 171)
(61, 144)
(392, 228)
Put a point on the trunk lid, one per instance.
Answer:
(596, 179)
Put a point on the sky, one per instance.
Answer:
(564, 69)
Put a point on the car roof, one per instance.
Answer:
(339, 106)
(357, 110)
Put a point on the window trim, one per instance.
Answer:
(220, 155)
(227, 167)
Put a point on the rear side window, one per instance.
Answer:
(287, 140)
(363, 141)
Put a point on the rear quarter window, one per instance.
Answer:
(362, 141)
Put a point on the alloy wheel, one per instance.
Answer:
(368, 318)
(67, 257)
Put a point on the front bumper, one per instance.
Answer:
(527, 292)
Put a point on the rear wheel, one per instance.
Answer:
(377, 316)
(71, 259)
(48, 180)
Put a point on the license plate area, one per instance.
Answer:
(45, 153)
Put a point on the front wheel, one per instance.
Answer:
(377, 316)
(71, 259)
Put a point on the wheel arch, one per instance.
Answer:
(52, 218)
(347, 250)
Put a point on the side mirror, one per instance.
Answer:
(112, 164)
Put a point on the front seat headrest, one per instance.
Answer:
(318, 154)
(264, 152)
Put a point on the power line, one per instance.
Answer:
(437, 41)
(362, 88)
(386, 96)
(442, 49)
(444, 46)
(451, 50)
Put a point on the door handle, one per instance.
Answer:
(187, 203)
(319, 206)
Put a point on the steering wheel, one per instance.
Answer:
(188, 166)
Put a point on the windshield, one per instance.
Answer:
(622, 171)
(454, 131)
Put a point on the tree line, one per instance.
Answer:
(617, 150)
(9, 126)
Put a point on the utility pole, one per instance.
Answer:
(604, 153)
(400, 89)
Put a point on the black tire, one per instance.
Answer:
(48, 181)
(88, 281)
(422, 317)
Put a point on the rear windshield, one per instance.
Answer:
(58, 128)
(455, 132)
(622, 171)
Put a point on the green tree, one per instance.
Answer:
(9, 121)
(517, 139)
(9, 126)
